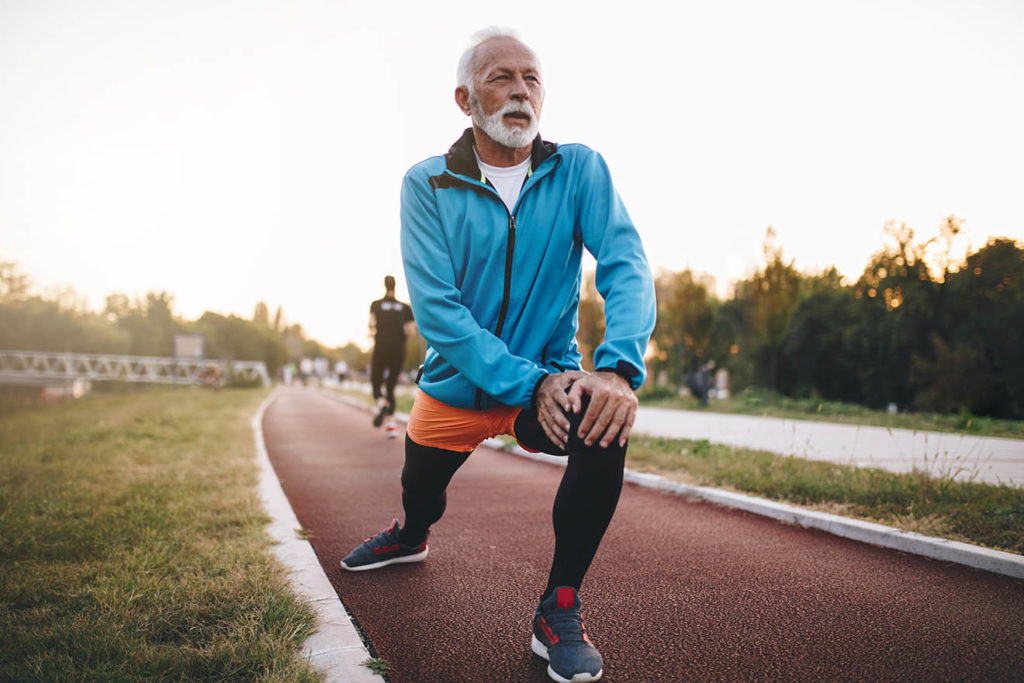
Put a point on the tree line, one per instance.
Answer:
(919, 327)
(146, 326)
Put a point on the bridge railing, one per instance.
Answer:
(37, 366)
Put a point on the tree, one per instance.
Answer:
(14, 285)
(957, 380)
(816, 347)
(36, 324)
(897, 312)
(686, 316)
(261, 314)
(986, 313)
(590, 314)
(233, 338)
(150, 324)
(768, 299)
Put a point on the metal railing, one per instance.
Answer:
(42, 366)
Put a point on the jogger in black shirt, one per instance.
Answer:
(390, 322)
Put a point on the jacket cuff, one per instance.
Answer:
(624, 370)
(536, 388)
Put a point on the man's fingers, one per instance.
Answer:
(618, 421)
(575, 397)
(627, 428)
(556, 414)
(602, 425)
(597, 402)
(553, 422)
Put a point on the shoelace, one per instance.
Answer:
(567, 624)
(382, 538)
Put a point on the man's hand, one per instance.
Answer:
(612, 409)
(552, 404)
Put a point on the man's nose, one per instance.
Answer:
(519, 88)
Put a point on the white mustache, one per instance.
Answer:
(517, 107)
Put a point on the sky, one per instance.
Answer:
(231, 152)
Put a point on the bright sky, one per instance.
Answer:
(237, 151)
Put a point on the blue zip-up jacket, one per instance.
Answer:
(495, 293)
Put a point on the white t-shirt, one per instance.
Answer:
(507, 180)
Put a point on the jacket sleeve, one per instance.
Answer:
(623, 275)
(443, 320)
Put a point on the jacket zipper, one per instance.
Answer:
(508, 274)
(478, 398)
(510, 246)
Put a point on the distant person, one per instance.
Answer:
(305, 370)
(493, 234)
(391, 321)
(341, 370)
(701, 382)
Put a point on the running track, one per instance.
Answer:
(681, 590)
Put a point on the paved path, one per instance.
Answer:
(984, 458)
(681, 590)
(989, 459)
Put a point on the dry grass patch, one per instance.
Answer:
(132, 544)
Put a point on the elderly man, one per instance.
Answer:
(492, 238)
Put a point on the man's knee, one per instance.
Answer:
(576, 419)
(576, 443)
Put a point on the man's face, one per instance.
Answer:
(507, 94)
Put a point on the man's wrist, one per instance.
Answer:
(613, 371)
(536, 390)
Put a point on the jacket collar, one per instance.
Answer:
(460, 158)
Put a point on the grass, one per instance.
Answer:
(769, 404)
(992, 516)
(133, 544)
(377, 665)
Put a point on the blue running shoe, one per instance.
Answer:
(381, 550)
(560, 637)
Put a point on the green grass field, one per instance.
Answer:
(132, 544)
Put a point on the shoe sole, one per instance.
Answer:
(418, 557)
(541, 651)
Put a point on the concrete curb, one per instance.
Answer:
(944, 550)
(336, 648)
(941, 549)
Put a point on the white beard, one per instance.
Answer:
(510, 136)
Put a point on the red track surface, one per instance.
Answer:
(680, 590)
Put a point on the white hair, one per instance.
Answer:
(467, 65)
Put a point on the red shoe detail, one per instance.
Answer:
(552, 638)
(386, 549)
(565, 598)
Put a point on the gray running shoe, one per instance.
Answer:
(560, 637)
(381, 550)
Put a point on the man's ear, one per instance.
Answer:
(462, 99)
